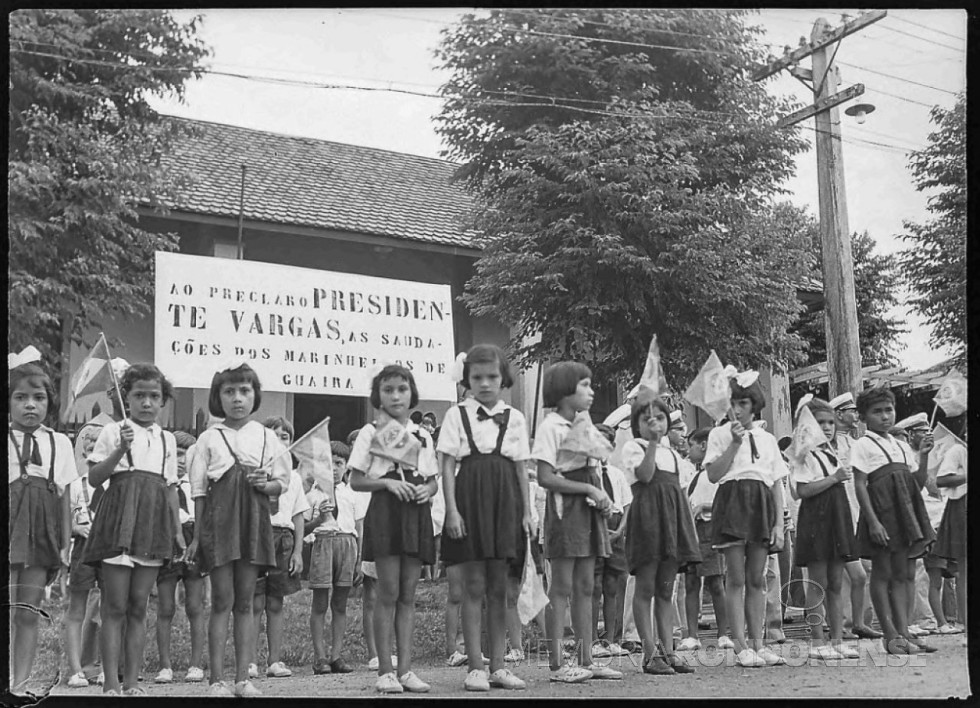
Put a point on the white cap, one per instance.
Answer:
(845, 399)
(675, 416)
(919, 420)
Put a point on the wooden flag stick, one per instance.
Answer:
(932, 419)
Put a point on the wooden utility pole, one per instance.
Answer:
(840, 307)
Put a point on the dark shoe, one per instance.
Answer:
(679, 665)
(658, 666)
(339, 666)
(867, 633)
(321, 666)
(788, 620)
(632, 647)
(848, 635)
(704, 625)
(922, 646)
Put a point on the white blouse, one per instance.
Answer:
(376, 467)
(635, 450)
(767, 468)
(147, 450)
(65, 471)
(867, 457)
(452, 437)
(212, 457)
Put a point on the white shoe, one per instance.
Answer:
(195, 674)
(253, 671)
(604, 672)
(78, 680)
(847, 652)
(616, 650)
(219, 688)
(689, 644)
(601, 651)
(278, 670)
(388, 683)
(412, 683)
(949, 629)
(504, 678)
(571, 674)
(725, 642)
(245, 689)
(373, 664)
(100, 679)
(917, 631)
(749, 659)
(514, 655)
(456, 659)
(770, 657)
(825, 653)
(476, 680)
(165, 676)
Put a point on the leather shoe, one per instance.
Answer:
(867, 633)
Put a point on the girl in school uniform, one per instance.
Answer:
(824, 536)
(40, 466)
(575, 532)
(660, 536)
(487, 508)
(135, 523)
(238, 465)
(893, 529)
(743, 459)
(398, 524)
(951, 537)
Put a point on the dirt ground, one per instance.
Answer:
(939, 675)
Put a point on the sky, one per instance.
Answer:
(389, 53)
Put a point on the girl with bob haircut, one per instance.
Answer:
(893, 528)
(744, 460)
(136, 521)
(661, 540)
(238, 465)
(40, 466)
(398, 524)
(487, 521)
(575, 530)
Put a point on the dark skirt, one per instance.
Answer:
(236, 523)
(396, 528)
(489, 499)
(132, 517)
(898, 504)
(743, 510)
(660, 526)
(824, 530)
(81, 577)
(34, 525)
(951, 539)
(581, 532)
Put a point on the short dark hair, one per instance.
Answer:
(431, 416)
(339, 449)
(487, 354)
(416, 417)
(352, 436)
(869, 397)
(393, 371)
(184, 439)
(818, 405)
(277, 421)
(642, 402)
(561, 380)
(145, 372)
(240, 374)
(699, 436)
(35, 376)
(753, 393)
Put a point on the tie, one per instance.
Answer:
(694, 482)
(181, 498)
(335, 509)
(497, 418)
(754, 449)
(418, 436)
(607, 483)
(30, 453)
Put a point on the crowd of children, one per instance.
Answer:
(134, 505)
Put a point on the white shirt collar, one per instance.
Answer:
(498, 407)
(152, 429)
(560, 419)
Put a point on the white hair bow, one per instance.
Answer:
(372, 371)
(27, 355)
(231, 363)
(456, 370)
(743, 379)
(119, 366)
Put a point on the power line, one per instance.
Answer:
(922, 39)
(901, 98)
(899, 78)
(919, 25)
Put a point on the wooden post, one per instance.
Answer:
(840, 307)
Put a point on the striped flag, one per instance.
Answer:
(94, 375)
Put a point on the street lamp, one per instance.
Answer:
(860, 111)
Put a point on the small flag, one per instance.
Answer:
(584, 438)
(951, 396)
(943, 441)
(313, 452)
(394, 442)
(653, 375)
(94, 375)
(807, 436)
(711, 390)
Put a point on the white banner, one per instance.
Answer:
(302, 330)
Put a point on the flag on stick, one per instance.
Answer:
(943, 440)
(711, 390)
(394, 442)
(807, 436)
(653, 374)
(951, 396)
(94, 375)
(313, 452)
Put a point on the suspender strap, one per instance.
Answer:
(51, 466)
(502, 432)
(883, 450)
(468, 430)
(228, 445)
(163, 463)
(22, 458)
(823, 467)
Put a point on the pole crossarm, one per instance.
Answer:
(820, 106)
(806, 50)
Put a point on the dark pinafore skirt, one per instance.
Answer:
(660, 526)
(897, 502)
(951, 538)
(489, 499)
(396, 528)
(824, 527)
(133, 516)
(34, 523)
(581, 532)
(743, 510)
(236, 523)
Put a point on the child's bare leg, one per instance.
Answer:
(26, 589)
(141, 582)
(816, 600)
(245, 575)
(474, 589)
(318, 610)
(558, 592)
(166, 608)
(369, 597)
(756, 555)
(513, 619)
(858, 578)
(273, 627)
(258, 607)
(496, 571)
(194, 607)
(454, 603)
(222, 598)
(936, 595)
(405, 611)
(834, 602)
(338, 620)
(389, 577)
(692, 602)
(77, 600)
(663, 605)
(115, 596)
(716, 586)
(644, 589)
(583, 585)
(898, 592)
(735, 593)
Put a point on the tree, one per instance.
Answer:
(84, 151)
(935, 264)
(876, 282)
(624, 165)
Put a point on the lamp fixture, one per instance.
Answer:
(860, 111)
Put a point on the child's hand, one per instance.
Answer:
(879, 536)
(738, 430)
(454, 525)
(776, 538)
(324, 507)
(358, 574)
(422, 493)
(296, 563)
(190, 552)
(181, 543)
(81, 528)
(600, 498)
(404, 491)
(126, 437)
(927, 444)
(257, 478)
(843, 474)
(527, 523)
(65, 555)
